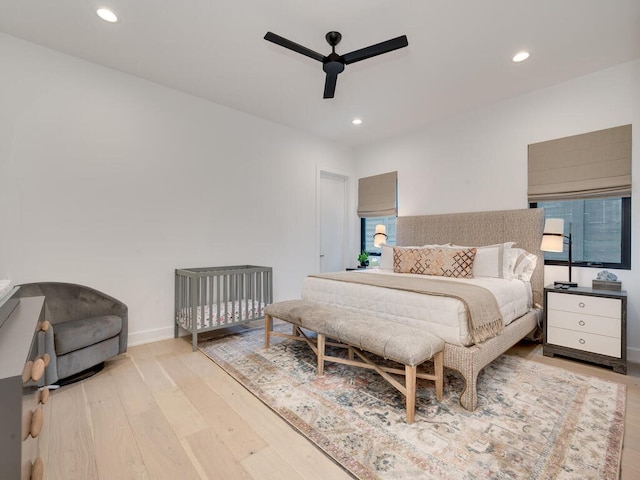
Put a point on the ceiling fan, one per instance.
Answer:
(333, 64)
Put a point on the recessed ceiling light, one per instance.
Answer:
(356, 121)
(520, 56)
(107, 15)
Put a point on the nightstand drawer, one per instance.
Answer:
(607, 326)
(587, 342)
(603, 307)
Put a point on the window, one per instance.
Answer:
(585, 179)
(377, 204)
(368, 227)
(601, 231)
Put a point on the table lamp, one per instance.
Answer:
(553, 240)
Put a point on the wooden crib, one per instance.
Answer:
(210, 298)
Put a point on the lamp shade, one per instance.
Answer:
(380, 235)
(553, 235)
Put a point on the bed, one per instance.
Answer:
(209, 298)
(518, 229)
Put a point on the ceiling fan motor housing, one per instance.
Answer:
(333, 64)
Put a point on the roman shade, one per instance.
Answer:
(595, 164)
(377, 195)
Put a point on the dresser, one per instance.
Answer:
(23, 403)
(586, 324)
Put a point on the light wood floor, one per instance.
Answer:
(162, 411)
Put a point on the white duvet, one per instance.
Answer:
(442, 316)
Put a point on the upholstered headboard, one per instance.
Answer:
(522, 226)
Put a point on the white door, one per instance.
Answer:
(332, 211)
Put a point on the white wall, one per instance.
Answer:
(113, 182)
(478, 160)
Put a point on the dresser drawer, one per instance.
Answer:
(587, 342)
(610, 327)
(603, 307)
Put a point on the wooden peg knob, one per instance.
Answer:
(44, 326)
(47, 359)
(26, 371)
(37, 469)
(37, 420)
(37, 370)
(44, 396)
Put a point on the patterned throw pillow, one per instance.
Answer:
(434, 261)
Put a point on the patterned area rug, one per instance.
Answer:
(533, 421)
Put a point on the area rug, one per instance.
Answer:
(533, 421)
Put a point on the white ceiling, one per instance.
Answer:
(458, 58)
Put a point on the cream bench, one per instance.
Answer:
(358, 333)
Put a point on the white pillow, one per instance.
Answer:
(386, 257)
(523, 264)
(492, 260)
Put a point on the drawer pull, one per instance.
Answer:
(26, 372)
(581, 304)
(37, 470)
(44, 395)
(37, 370)
(582, 341)
(37, 420)
(581, 323)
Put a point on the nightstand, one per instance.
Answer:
(586, 324)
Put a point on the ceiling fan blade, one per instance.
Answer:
(283, 42)
(377, 49)
(330, 85)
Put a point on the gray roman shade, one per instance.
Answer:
(595, 164)
(377, 195)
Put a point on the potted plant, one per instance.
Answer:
(363, 258)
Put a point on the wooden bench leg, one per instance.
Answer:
(438, 370)
(268, 324)
(321, 342)
(410, 383)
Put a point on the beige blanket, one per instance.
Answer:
(483, 313)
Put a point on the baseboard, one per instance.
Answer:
(633, 355)
(148, 336)
(155, 335)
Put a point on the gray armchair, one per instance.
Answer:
(87, 327)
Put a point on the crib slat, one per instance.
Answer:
(218, 298)
(245, 295)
